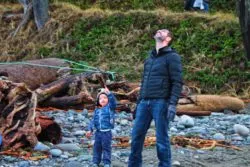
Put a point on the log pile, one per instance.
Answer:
(21, 125)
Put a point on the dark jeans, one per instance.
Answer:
(146, 111)
(102, 147)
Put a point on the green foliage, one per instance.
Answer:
(44, 51)
(211, 51)
(224, 5)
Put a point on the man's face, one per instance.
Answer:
(103, 100)
(161, 35)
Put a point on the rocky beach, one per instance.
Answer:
(73, 149)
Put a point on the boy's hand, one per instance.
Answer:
(107, 90)
(89, 134)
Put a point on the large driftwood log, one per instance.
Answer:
(19, 124)
(193, 113)
(33, 75)
(214, 103)
(17, 115)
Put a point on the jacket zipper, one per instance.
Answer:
(100, 119)
(149, 74)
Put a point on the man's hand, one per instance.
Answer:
(171, 112)
(89, 134)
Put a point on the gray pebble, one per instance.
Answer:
(218, 136)
(24, 164)
(241, 130)
(55, 152)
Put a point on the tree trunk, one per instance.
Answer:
(40, 10)
(244, 17)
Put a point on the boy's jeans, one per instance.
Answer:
(102, 147)
(146, 111)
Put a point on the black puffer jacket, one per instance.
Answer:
(162, 76)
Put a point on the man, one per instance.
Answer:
(160, 89)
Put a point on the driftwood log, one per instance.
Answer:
(213, 103)
(32, 74)
(17, 115)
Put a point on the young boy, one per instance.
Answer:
(103, 122)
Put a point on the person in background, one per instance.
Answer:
(206, 5)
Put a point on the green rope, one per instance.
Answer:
(49, 66)
(83, 65)
(89, 68)
(112, 74)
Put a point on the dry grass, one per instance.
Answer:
(62, 18)
(28, 41)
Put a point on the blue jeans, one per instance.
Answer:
(102, 147)
(146, 111)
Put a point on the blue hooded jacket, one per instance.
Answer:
(104, 118)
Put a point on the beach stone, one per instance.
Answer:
(80, 133)
(85, 157)
(218, 136)
(73, 164)
(69, 147)
(237, 138)
(24, 164)
(176, 163)
(241, 130)
(186, 121)
(55, 152)
(41, 147)
(124, 122)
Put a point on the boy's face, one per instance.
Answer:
(103, 100)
